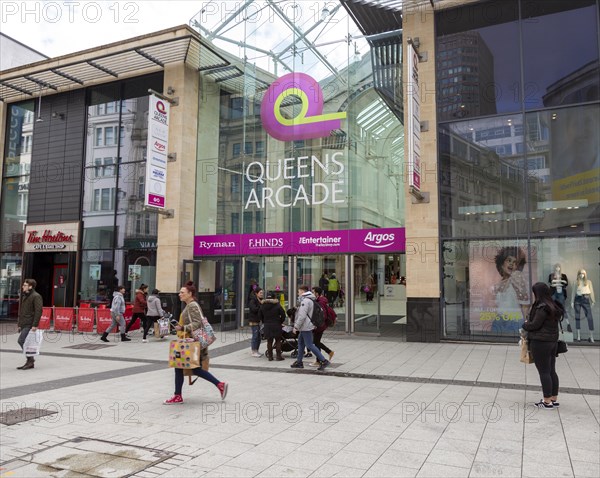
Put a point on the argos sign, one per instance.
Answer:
(310, 122)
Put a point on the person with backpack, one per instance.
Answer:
(329, 321)
(307, 314)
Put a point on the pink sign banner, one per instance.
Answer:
(372, 241)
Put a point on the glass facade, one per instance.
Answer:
(119, 236)
(520, 170)
(15, 201)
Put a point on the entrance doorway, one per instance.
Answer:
(59, 285)
(379, 294)
(219, 284)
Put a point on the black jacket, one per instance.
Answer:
(271, 313)
(541, 324)
(30, 309)
(254, 307)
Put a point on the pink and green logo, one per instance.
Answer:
(310, 122)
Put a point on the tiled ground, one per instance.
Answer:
(439, 410)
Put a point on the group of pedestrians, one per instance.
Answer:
(542, 326)
(146, 309)
(330, 287)
(269, 313)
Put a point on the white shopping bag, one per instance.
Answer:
(33, 343)
(163, 327)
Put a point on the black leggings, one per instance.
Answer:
(544, 357)
(148, 321)
(134, 317)
(317, 336)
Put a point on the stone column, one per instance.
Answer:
(176, 235)
(422, 228)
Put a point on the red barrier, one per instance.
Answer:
(103, 320)
(63, 318)
(85, 320)
(46, 317)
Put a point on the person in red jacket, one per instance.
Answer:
(318, 332)
(139, 307)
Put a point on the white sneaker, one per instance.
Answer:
(144, 341)
(314, 364)
(256, 354)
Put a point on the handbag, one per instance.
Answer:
(184, 353)
(561, 347)
(526, 356)
(205, 335)
(33, 343)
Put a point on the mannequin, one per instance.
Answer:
(558, 285)
(583, 297)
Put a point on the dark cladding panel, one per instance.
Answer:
(57, 158)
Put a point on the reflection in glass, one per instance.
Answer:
(483, 174)
(571, 74)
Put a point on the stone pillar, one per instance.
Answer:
(422, 228)
(176, 235)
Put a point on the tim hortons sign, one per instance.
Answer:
(51, 237)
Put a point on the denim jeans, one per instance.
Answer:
(23, 336)
(583, 302)
(305, 339)
(560, 298)
(255, 342)
(197, 371)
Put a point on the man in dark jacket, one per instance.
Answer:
(30, 313)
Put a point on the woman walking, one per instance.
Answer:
(542, 328)
(272, 315)
(256, 299)
(139, 307)
(318, 332)
(154, 313)
(191, 319)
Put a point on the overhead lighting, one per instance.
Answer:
(485, 209)
(325, 12)
(568, 204)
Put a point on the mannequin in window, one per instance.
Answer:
(583, 298)
(558, 283)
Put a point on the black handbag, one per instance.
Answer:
(561, 347)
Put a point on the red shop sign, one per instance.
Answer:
(63, 318)
(46, 317)
(85, 320)
(103, 320)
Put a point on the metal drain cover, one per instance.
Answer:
(88, 346)
(12, 417)
(86, 456)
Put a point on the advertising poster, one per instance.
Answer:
(95, 270)
(500, 292)
(157, 152)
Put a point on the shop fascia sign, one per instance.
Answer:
(51, 237)
(293, 243)
(310, 123)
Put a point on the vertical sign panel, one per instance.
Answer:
(414, 121)
(156, 153)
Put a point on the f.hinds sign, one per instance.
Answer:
(51, 237)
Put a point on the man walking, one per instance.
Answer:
(30, 313)
(117, 310)
(304, 326)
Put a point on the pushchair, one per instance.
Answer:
(289, 340)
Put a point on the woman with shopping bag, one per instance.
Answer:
(189, 323)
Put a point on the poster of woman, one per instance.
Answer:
(499, 287)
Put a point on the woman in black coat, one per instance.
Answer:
(272, 315)
(542, 328)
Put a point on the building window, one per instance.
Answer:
(235, 184)
(104, 199)
(26, 148)
(106, 136)
(248, 147)
(105, 167)
(237, 149)
(260, 148)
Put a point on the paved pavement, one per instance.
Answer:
(384, 409)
